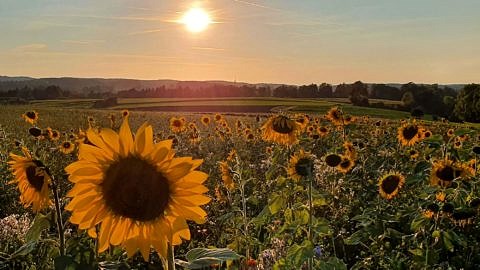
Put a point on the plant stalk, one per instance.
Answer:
(170, 257)
(58, 212)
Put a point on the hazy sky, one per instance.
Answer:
(282, 41)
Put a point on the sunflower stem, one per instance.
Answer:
(310, 214)
(170, 257)
(58, 212)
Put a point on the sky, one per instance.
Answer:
(275, 41)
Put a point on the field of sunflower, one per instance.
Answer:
(90, 189)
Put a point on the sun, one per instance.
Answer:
(196, 20)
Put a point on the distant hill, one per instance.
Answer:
(85, 85)
(113, 85)
(14, 79)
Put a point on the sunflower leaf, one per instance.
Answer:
(221, 254)
(40, 223)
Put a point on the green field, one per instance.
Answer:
(228, 105)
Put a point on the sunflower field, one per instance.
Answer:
(98, 189)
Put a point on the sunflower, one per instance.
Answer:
(218, 117)
(427, 134)
(205, 120)
(302, 121)
(32, 179)
(409, 134)
(35, 132)
(413, 154)
(53, 134)
(280, 129)
(346, 164)
(450, 132)
(177, 125)
(232, 154)
(30, 117)
(135, 191)
(333, 160)
(335, 115)
(457, 144)
(300, 165)
(440, 196)
(66, 147)
(226, 176)
(322, 131)
(444, 172)
(350, 150)
(250, 137)
(390, 184)
(125, 113)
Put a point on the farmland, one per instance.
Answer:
(392, 201)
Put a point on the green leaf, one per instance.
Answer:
(462, 131)
(447, 241)
(222, 254)
(333, 263)
(67, 263)
(301, 216)
(40, 223)
(356, 238)
(24, 250)
(276, 203)
(298, 254)
(421, 167)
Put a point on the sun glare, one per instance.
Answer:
(196, 20)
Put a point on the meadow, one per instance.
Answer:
(306, 184)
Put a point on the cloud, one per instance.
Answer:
(83, 42)
(146, 32)
(122, 18)
(256, 5)
(208, 48)
(34, 47)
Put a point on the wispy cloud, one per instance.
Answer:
(83, 42)
(123, 18)
(208, 48)
(253, 4)
(151, 31)
(34, 47)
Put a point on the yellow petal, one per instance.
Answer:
(105, 231)
(126, 139)
(111, 138)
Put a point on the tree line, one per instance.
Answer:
(418, 98)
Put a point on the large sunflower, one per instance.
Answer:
(444, 172)
(135, 190)
(32, 180)
(409, 134)
(300, 165)
(390, 184)
(280, 129)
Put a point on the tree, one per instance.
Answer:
(359, 94)
(467, 106)
(408, 100)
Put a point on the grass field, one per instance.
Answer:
(228, 105)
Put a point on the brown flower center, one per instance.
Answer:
(177, 123)
(410, 132)
(283, 125)
(333, 160)
(304, 167)
(446, 173)
(135, 189)
(31, 115)
(34, 178)
(390, 184)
